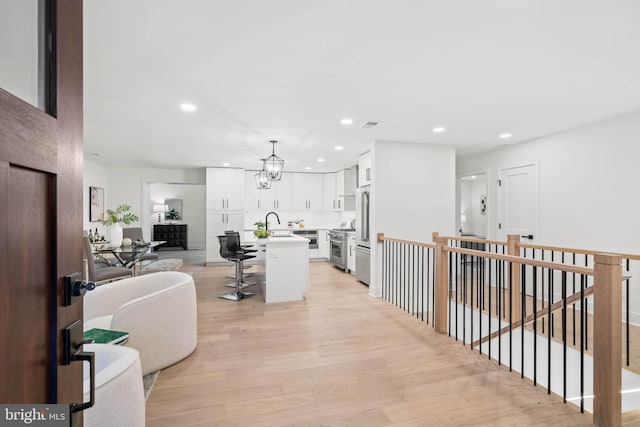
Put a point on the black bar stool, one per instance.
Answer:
(231, 251)
(246, 250)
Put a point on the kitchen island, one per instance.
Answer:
(285, 267)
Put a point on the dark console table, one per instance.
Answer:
(174, 234)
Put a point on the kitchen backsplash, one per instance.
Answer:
(319, 220)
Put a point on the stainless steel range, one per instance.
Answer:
(338, 247)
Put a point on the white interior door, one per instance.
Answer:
(519, 202)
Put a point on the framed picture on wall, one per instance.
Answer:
(483, 204)
(96, 204)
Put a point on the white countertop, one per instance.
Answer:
(280, 240)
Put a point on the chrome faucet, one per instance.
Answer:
(266, 222)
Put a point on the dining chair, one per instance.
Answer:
(101, 272)
(135, 233)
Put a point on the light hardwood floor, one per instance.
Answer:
(340, 358)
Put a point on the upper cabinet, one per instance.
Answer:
(278, 197)
(339, 190)
(330, 195)
(307, 191)
(225, 189)
(364, 171)
(252, 194)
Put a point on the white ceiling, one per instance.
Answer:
(291, 69)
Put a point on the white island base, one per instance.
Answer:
(286, 268)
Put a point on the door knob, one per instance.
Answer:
(75, 288)
(80, 287)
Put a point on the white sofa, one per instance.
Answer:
(157, 310)
(119, 398)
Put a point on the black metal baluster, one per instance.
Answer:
(471, 304)
(421, 260)
(489, 302)
(480, 308)
(405, 280)
(499, 310)
(510, 317)
(549, 332)
(535, 323)
(581, 345)
(564, 335)
(586, 311)
(395, 273)
(551, 296)
(433, 288)
(523, 303)
(627, 315)
(416, 273)
(573, 284)
(542, 300)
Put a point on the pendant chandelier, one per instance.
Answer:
(273, 165)
(262, 180)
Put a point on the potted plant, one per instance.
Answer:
(121, 214)
(261, 232)
(173, 214)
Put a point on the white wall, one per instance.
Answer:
(193, 198)
(588, 187)
(131, 186)
(412, 195)
(588, 184)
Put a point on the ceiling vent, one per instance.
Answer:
(368, 125)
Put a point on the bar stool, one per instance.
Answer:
(231, 251)
(245, 249)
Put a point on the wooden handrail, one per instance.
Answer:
(577, 251)
(471, 239)
(381, 238)
(519, 260)
(634, 257)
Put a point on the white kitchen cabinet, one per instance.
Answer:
(278, 197)
(330, 196)
(351, 253)
(306, 191)
(323, 244)
(217, 223)
(252, 195)
(364, 169)
(225, 189)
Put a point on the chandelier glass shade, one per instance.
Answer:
(273, 165)
(262, 181)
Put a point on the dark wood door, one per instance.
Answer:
(41, 162)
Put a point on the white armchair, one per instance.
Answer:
(159, 311)
(119, 398)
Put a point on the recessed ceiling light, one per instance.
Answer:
(338, 148)
(346, 121)
(308, 168)
(505, 135)
(320, 160)
(438, 129)
(226, 164)
(473, 177)
(185, 106)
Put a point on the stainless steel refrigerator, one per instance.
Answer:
(363, 232)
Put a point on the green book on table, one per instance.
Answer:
(105, 336)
